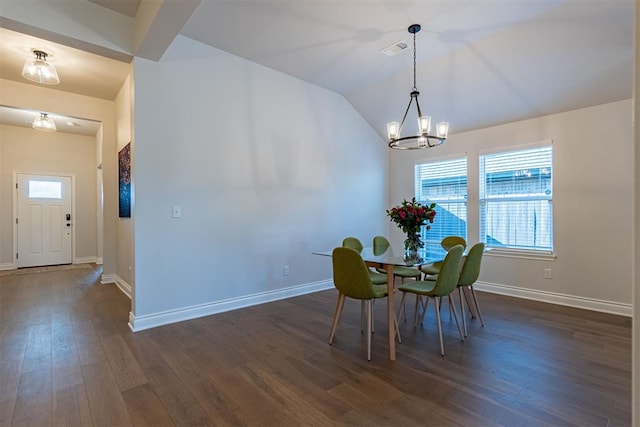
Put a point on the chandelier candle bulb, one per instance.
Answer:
(424, 124)
(393, 130)
(442, 129)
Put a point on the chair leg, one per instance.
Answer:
(415, 314)
(402, 307)
(464, 321)
(455, 316)
(424, 309)
(362, 316)
(373, 325)
(439, 325)
(336, 316)
(475, 300)
(395, 320)
(369, 310)
(466, 298)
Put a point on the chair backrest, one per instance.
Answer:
(471, 266)
(353, 243)
(449, 272)
(351, 274)
(380, 245)
(450, 241)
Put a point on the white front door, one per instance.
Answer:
(44, 220)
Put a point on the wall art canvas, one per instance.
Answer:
(124, 180)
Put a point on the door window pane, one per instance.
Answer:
(45, 190)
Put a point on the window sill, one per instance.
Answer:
(521, 254)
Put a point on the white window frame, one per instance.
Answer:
(462, 164)
(514, 250)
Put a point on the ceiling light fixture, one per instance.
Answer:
(39, 70)
(423, 139)
(45, 123)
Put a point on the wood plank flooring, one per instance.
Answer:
(68, 358)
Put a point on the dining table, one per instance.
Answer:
(387, 260)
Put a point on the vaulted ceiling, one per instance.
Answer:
(480, 62)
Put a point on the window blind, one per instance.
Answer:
(516, 199)
(445, 184)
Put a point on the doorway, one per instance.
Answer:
(44, 220)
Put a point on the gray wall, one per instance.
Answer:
(266, 168)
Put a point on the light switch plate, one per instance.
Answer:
(176, 212)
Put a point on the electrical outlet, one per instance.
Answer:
(285, 270)
(547, 273)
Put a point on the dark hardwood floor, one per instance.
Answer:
(68, 358)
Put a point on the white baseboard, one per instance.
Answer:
(8, 266)
(123, 286)
(556, 298)
(108, 278)
(99, 260)
(141, 323)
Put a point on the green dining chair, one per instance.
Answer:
(444, 285)
(468, 276)
(446, 243)
(376, 277)
(355, 243)
(380, 245)
(351, 279)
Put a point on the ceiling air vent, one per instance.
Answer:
(395, 48)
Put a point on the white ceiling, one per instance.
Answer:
(480, 62)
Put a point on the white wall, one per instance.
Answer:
(124, 226)
(266, 169)
(26, 150)
(593, 183)
(635, 362)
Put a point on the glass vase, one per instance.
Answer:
(411, 246)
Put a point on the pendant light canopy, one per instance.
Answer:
(39, 70)
(424, 139)
(45, 123)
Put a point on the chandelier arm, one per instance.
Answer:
(417, 103)
(405, 116)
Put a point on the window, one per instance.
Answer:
(516, 199)
(45, 189)
(445, 184)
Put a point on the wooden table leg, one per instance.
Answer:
(390, 316)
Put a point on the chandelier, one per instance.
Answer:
(39, 70)
(44, 122)
(424, 139)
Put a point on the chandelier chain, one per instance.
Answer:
(414, 62)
